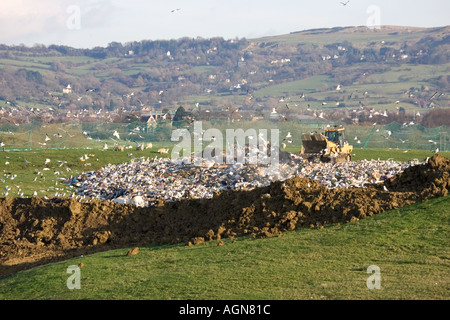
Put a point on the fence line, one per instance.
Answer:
(36, 135)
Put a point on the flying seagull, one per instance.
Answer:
(116, 134)
(175, 10)
(345, 3)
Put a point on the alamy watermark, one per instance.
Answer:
(241, 147)
(374, 281)
(374, 19)
(74, 281)
(73, 22)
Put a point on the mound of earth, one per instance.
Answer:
(35, 231)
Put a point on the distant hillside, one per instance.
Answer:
(391, 68)
(363, 35)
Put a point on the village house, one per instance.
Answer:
(68, 89)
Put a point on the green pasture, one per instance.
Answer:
(46, 171)
(29, 64)
(295, 88)
(409, 246)
(337, 35)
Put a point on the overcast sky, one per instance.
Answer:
(90, 23)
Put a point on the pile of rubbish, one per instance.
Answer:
(146, 182)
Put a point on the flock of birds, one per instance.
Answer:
(373, 114)
(318, 112)
(288, 105)
(58, 184)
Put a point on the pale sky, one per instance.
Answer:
(90, 23)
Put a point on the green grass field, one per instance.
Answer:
(409, 245)
(338, 35)
(295, 87)
(51, 181)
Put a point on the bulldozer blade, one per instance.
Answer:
(313, 143)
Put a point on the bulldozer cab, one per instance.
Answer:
(336, 136)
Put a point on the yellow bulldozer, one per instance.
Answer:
(331, 146)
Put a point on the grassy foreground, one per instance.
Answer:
(409, 245)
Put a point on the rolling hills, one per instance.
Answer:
(391, 68)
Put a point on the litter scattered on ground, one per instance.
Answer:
(145, 182)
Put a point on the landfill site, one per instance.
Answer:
(158, 201)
